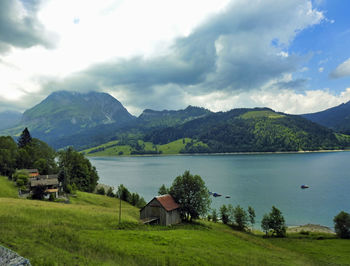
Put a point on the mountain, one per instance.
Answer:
(336, 118)
(63, 114)
(9, 119)
(247, 130)
(167, 118)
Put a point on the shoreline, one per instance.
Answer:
(217, 153)
(316, 228)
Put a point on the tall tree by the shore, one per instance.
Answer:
(190, 192)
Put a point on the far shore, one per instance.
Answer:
(310, 228)
(216, 153)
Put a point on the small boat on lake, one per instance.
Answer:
(227, 197)
(304, 186)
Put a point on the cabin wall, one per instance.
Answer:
(173, 217)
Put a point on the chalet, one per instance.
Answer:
(161, 210)
(50, 182)
(32, 172)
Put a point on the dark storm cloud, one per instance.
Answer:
(240, 49)
(21, 29)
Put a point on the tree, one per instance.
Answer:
(240, 217)
(123, 193)
(24, 139)
(214, 216)
(342, 224)
(265, 223)
(75, 168)
(110, 192)
(274, 222)
(163, 190)
(190, 192)
(8, 156)
(251, 214)
(224, 213)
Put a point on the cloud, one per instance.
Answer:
(287, 101)
(343, 70)
(20, 27)
(240, 49)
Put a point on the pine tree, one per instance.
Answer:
(24, 139)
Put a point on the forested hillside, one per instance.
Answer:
(246, 130)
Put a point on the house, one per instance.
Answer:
(32, 172)
(50, 182)
(161, 210)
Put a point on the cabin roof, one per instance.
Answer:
(168, 202)
(44, 180)
(31, 171)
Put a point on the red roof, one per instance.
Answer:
(168, 202)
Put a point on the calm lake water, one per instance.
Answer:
(258, 180)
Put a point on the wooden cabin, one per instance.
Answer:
(161, 210)
(32, 172)
(50, 182)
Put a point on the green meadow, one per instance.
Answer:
(113, 148)
(86, 231)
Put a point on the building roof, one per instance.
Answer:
(31, 171)
(168, 202)
(48, 180)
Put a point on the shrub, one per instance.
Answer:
(342, 224)
(101, 191)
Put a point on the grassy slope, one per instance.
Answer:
(86, 232)
(7, 188)
(169, 148)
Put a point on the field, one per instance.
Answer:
(86, 232)
(112, 148)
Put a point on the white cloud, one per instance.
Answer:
(286, 101)
(343, 70)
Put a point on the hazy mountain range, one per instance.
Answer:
(85, 120)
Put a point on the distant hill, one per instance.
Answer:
(166, 118)
(9, 119)
(63, 114)
(336, 118)
(246, 130)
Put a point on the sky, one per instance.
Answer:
(292, 56)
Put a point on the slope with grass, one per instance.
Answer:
(115, 148)
(86, 232)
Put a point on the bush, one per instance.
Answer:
(101, 191)
(342, 224)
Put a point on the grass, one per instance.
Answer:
(7, 188)
(112, 149)
(259, 114)
(86, 232)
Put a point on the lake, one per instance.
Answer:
(258, 180)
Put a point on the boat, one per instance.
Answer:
(227, 197)
(216, 194)
(304, 186)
